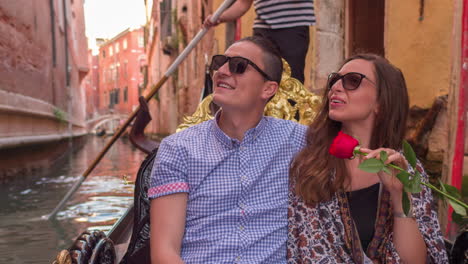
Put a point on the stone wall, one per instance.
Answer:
(38, 54)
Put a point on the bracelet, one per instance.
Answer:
(402, 215)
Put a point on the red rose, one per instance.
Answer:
(343, 146)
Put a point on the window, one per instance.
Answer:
(114, 97)
(113, 73)
(141, 41)
(166, 19)
(125, 69)
(125, 94)
(111, 51)
(144, 71)
(111, 100)
(103, 53)
(124, 44)
(117, 93)
(117, 71)
(117, 47)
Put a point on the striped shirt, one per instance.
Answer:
(237, 190)
(284, 13)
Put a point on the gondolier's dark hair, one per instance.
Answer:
(271, 56)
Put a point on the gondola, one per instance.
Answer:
(128, 240)
(131, 232)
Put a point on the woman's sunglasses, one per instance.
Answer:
(350, 80)
(236, 65)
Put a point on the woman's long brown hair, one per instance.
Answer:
(313, 166)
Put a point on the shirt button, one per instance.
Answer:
(242, 229)
(238, 258)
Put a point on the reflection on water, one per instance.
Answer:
(100, 201)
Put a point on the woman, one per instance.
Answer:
(341, 214)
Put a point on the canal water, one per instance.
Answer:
(27, 238)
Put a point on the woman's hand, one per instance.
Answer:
(390, 182)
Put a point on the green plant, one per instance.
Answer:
(60, 115)
(412, 182)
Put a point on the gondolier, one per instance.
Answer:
(285, 22)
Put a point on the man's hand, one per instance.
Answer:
(238, 9)
(208, 24)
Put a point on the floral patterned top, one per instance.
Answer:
(326, 232)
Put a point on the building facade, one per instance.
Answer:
(43, 52)
(121, 60)
(170, 27)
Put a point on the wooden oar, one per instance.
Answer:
(122, 128)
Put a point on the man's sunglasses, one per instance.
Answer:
(236, 65)
(350, 80)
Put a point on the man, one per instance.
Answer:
(219, 188)
(285, 22)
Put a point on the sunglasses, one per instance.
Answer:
(236, 65)
(350, 80)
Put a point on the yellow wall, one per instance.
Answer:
(247, 22)
(219, 32)
(421, 49)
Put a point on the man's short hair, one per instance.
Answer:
(271, 56)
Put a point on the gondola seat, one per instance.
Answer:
(138, 248)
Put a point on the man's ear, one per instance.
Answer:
(269, 89)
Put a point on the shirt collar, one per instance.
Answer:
(250, 135)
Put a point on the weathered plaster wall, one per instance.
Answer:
(329, 40)
(25, 49)
(421, 48)
(35, 97)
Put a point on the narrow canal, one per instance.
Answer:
(100, 201)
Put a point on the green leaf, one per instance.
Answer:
(459, 219)
(409, 154)
(457, 208)
(415, 183)
(406, 203)
(383, 156)
(404, 179)
(371, 165)
(452, 190)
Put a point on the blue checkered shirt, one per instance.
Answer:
(237, 190)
